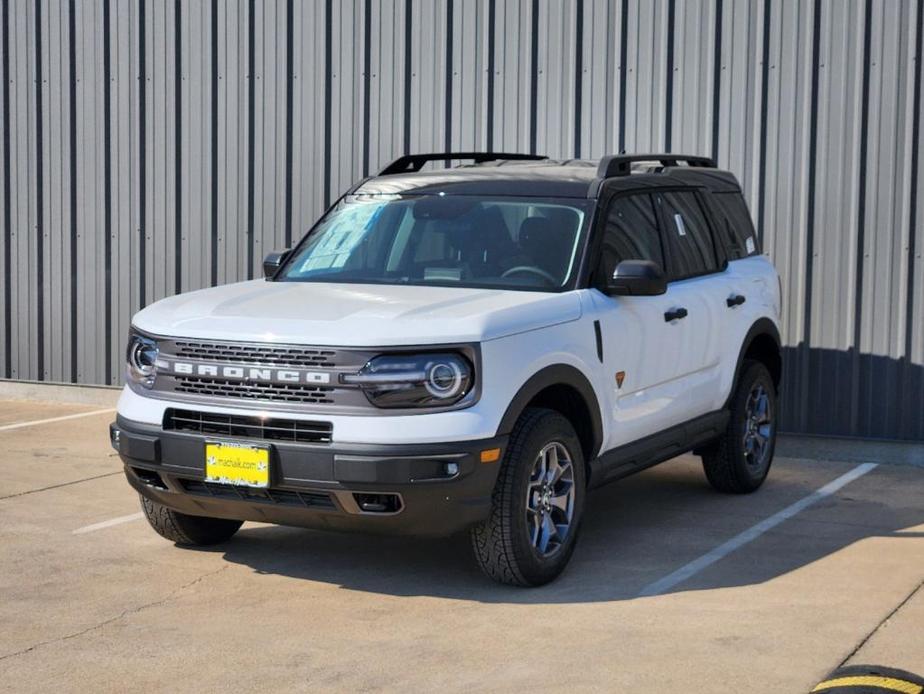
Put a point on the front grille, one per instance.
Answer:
(249, 427)
(255, 354)
(204, 376)
(279, 497)
(278, 392)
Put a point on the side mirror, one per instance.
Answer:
(636, 278)
(273, 261)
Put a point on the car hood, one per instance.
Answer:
(354, 315)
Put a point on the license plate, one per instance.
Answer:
(237, 463)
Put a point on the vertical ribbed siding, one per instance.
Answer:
(912, 376)
(7, 228)
(155, 147)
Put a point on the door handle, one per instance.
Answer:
(735, 300)
(675, 314)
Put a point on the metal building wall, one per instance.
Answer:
(151, 147)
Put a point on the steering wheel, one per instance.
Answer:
(534, 270)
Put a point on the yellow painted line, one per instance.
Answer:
(33, 423)
(888, 683)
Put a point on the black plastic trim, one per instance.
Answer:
(436, 499)
(735, 300)
(762, 326)
(557, 374)
(630, 458)
(411, 163)
(614, 165)
(598, 336)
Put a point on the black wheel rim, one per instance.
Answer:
(758, 427)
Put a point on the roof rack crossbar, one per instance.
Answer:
(411, 163)
(621, 164)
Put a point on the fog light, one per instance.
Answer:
(115, 436)
(452, 469)
(378, 503)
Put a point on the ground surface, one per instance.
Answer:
(115, 607)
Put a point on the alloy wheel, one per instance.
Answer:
(550, 499)
(758, 428)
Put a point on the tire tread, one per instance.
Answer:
(493, 540)
(721, 460)
(183, 529)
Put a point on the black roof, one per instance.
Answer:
(531, 176)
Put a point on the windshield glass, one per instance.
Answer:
(465, 241)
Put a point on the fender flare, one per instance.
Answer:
(556, 374)
(762, 326)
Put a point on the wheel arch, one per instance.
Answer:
(567, 390)
(762, 342)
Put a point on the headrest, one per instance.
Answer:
(537, 232)
(554, 231)
(485, 232)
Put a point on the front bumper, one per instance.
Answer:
(419, 489)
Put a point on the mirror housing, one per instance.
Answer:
(273, 261)
(636, 278)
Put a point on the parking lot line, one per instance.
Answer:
(752, 533)
(34, 422)
(109, 523)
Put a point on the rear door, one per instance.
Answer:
(751, 286)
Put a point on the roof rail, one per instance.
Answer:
(410, 163)
(621, 164)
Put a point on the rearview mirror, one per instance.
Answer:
(273, 261)
(636, 278)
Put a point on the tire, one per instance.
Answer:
(516, 544)
(187, 530)
(737, 463)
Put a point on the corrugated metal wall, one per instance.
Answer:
(155, 147)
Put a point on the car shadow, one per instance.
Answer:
(635, 532)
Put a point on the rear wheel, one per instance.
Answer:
(187, 530)
(537, 504)
(739, 461)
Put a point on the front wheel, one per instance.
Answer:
(739, 461)
(187, 530)
(537, 504)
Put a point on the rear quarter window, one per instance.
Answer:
(736, 230)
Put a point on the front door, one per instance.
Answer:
(660, 352)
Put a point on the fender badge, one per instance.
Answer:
(620, 377)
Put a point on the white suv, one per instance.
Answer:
(467, 348)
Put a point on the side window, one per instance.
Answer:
(631, 233)
(735, 224)
(692, 248)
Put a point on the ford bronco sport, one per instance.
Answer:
(467, 348)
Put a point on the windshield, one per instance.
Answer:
(464, 241)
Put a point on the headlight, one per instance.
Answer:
(414, 380)
(141, 356)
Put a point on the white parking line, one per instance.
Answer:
(752, 533)
(8, 427)
(109, 523)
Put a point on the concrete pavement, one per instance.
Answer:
(117, 607)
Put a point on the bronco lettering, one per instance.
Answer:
(258, 375)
